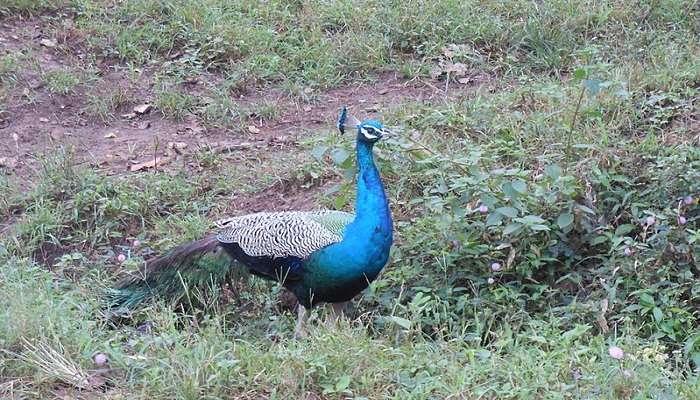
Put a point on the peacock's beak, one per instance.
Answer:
(386, 132)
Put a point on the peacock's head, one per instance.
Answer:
(368, 130)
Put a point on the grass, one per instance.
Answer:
(581, 129)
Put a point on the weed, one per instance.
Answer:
(60, 82)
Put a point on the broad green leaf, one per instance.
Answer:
(646, 300)
(339, 156)
(585, 209)
(511, 228)
(494, 219)
(508, 189)
(593, 86)
(520, 186)
(624, 229)
(343, 383)
(580, 73)
(507, 211)
(531, 219)
(599, 240)
(658, 314)
(402, 322)
(318, 152)
(553, 171)
(565, 220)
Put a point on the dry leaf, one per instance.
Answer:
(179, 147)
(602, 323)
(129, 116)
(456, 68)
(383, 91)
(50, 43)
(143, 108)
(42, 119)
(511, 257)
(110, 135)
(253, 129)
(142, 125)
(464, 81)
(9, 163)
(153, 163)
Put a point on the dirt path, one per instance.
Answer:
(36, 117)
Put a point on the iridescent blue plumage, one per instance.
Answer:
(322, 257)
(338, 272)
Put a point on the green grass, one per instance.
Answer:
(584, 128)
(224, 356)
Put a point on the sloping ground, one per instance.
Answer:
(53, 98)
(544, 186)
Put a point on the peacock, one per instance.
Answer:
(322, 256)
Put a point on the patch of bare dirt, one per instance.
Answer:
(36, 121)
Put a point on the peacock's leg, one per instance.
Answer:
(302, 316)
(335, 314)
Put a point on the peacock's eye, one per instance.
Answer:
(370, 130)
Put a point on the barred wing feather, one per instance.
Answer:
(284, 234)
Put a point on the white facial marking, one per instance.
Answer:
(367, 134)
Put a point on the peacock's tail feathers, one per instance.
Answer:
(195, 264)
(284, 234)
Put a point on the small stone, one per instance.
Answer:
(483, 209)
(253, 129)
(136, 243)
(129, 116)
(110, 135)
(179, 147)
(143, 108)
(121, 258)
(9, 163)
(650, 220)
(143, 125)
(682, 220)
(627, 251)
(491, 281)
(688, 200)
(50, 43)
(44, 120)
(495, 267)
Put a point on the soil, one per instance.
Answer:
(35, 122)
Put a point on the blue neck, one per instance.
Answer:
(371, 200)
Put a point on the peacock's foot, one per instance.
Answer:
(302, 316)
(335, 315)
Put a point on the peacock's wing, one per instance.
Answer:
(284, 234)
